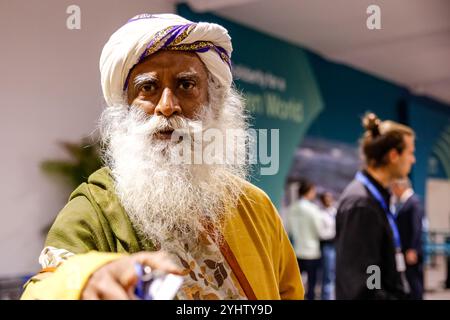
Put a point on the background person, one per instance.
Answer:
(366, 231)
(327, 247)
(409, 216)
(308, 226)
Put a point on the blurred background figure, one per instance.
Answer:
(308, 227)
(369, 261)
(410, 213)
(327, 248)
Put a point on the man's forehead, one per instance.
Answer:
(180, 63)
(155, 75)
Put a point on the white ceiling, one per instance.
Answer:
(412, 48)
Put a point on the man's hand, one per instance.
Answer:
(411, 257)
(117, 280)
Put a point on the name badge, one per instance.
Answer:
(400, 262)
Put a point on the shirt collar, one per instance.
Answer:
(384, 192)
(406, 195)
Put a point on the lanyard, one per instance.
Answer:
(377, 195)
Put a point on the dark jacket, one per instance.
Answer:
(409, 222)
(364, 238)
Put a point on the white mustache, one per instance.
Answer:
(150, 126)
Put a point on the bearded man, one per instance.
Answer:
(161, 75)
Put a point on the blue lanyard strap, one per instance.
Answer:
(377, 195)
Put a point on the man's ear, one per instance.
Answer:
(393, 155)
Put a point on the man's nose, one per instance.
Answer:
(168, 104)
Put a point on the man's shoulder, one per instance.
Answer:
(255, 204)
(355, 198)
(93, 218)
(98, 184)
(253, 194)
(415, 200)
(89, 200)
(354, 189)
(414, 203)
(355, 193)
(253, 213)
(97, 193)
(101, 177)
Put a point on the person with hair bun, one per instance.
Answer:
(369, 260)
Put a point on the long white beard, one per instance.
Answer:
(167, 201)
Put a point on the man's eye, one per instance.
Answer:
(148, 87)
(187, 85)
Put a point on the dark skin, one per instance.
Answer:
(117, 280)
(165, 84)
(177, 84)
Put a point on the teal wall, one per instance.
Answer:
(347, 94)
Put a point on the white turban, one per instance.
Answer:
(145, 34)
